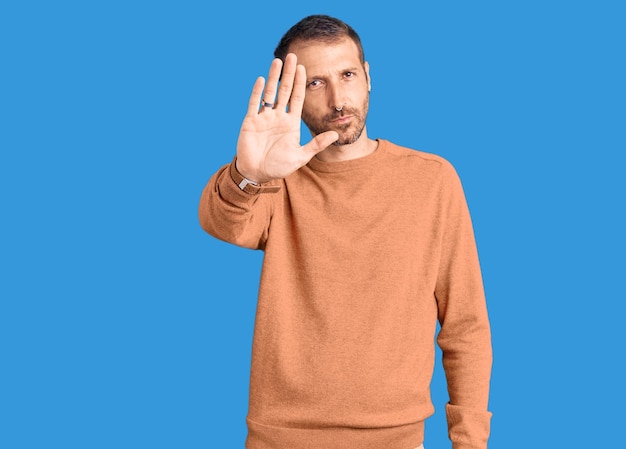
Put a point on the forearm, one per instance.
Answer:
(467, 363)
(232, 215)
(465, 341)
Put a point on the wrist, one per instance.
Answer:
(246, 174)
(248, 185)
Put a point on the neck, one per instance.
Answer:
(361, 148)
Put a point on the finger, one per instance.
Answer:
(255, 97)
(296, 102)
(272, 82)
(286, 81)
(320, 143)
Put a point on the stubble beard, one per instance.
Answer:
(348, 133)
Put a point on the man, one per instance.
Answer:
(366, 246)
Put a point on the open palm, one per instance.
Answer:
(269, 140)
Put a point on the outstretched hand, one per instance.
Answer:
(269, 141)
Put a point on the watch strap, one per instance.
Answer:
(247, 185)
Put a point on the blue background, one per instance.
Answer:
(124, 325)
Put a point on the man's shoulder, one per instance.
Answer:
(412, 156)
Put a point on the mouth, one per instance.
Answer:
(340, 120)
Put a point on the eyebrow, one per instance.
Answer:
(349, 69)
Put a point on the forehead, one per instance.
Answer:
(322, 57)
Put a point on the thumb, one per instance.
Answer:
(320, 142)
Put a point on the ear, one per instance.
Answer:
(366, 66)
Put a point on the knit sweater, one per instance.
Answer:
(361, 259)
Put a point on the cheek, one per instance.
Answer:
(316, 100)
(361, 94)
(310, 110)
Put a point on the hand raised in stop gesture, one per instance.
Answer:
(269, 140)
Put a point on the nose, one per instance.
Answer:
(336, 96)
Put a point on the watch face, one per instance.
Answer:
(248, 186)
(243, 184)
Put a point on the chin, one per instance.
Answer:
(347, 139)
(341, 142)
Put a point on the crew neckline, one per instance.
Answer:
(351, 164)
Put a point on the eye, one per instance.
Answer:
(314, 84)
(349, 75)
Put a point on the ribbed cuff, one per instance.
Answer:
(468, 428)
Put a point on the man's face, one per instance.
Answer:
(336, 79)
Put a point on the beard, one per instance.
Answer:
(348, 132)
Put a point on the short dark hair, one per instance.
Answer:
(319, 28)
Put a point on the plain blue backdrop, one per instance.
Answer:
(124, 325)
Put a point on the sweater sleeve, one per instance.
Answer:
(232, 215)
(465, 336)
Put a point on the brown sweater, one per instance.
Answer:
(362, 257)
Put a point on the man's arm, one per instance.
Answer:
(268, 149)
(233, 215)
(464, 337)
